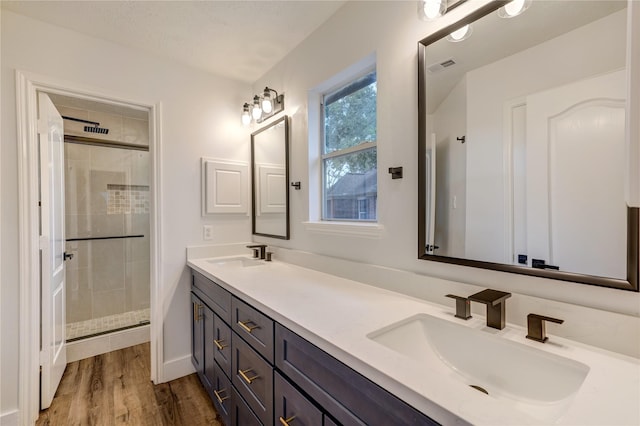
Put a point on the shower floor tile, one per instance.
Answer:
(77, 330)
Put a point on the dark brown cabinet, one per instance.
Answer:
(292, 407)
(259, 372)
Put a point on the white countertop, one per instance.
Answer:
(337, 314)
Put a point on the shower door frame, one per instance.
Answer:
(27, 86)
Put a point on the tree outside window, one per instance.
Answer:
(349, 157)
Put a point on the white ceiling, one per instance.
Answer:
(237, 39)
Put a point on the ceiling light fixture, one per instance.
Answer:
(514, 8)
(429, 10)
(460, 34)
(261, 108)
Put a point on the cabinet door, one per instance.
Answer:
(216, 297)
(291, 407)
(222, 395)
(208, 347)
(253, 378)
(197, 335)
(222, 344)
(255, 327)
(349, 397)
(241, 414)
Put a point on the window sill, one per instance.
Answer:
(352, 229)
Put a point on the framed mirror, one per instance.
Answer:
(270, 177)
(523, 147)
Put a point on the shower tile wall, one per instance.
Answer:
(106, 276)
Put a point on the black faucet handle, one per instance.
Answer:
(536, 327)
(463, 306)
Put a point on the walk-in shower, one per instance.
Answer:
(107, 202)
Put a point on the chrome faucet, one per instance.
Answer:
(259, 250)
(496, 306)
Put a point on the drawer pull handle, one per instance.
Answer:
(196, 312)
(219, 344)
(248, 328)
(286, 422)
(248, 379)
(217, 394)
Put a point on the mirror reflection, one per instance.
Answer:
(523, 126)
(269, 165)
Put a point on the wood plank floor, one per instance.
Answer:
(115, 388)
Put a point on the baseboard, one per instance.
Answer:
(98, 345)
(176, 368)
(9, 419)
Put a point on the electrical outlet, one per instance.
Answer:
(207, 232)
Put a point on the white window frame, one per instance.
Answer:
(314, 224)
(361, 147)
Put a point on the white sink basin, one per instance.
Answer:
(237, 262)
(532, 380)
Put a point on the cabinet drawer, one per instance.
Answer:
(241, 414)
(252, 376)
(291, 407)
(253, 326)
(222, 395)
(344, 393)
(222, 345)
(328, 421)
(213, 295)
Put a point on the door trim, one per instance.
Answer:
(27, 86)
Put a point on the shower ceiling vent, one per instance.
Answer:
(96, 129)
(439, 66)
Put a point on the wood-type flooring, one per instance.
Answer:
(115, 388)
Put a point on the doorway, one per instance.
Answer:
(28, 87)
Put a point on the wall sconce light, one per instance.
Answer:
(246, 115)
(263, 107)
(514, 8)
(429, 10)
(460, 34)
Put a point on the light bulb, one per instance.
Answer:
(256, 112)
(246, 117)
(513, 8)
(460, 34)
(433, 9)
(267, 106)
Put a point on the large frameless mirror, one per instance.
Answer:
(270, 177)
(522, 143)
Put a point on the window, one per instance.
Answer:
(349, 157)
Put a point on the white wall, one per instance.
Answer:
(200, 117)
(391, 30)
(489, 87)
(450, 123)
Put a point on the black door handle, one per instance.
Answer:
(67, 256)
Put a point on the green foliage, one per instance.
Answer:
(348, 122)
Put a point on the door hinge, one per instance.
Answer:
(42, 126)
(44, 242)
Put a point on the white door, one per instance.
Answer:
(53, 357)
(431, 195)
(576, 210)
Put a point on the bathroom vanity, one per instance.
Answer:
(276, 343)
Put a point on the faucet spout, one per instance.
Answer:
(496, 306)
(259, 248)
